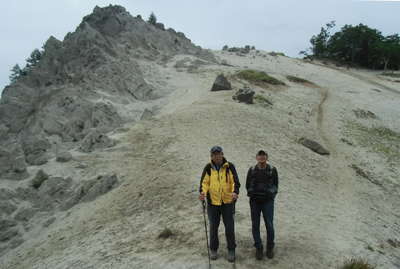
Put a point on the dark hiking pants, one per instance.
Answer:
(214, 216)
(267, 210)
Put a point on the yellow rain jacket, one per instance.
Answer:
(218, 185)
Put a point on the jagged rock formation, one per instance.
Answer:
(83, 87)
(87, 81)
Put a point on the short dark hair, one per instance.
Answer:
(262, 153)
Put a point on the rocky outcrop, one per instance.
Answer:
(12, 160)
(96, 140)
(86, 81)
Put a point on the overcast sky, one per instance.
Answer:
(277, 25)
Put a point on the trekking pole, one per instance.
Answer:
(205, 228)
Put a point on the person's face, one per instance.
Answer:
(261, 159)
(217, 157)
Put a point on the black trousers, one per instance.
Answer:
(214, 216)
(267, 210)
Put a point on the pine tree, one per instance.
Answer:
(16, 72)
(152, 19)
(35, 57)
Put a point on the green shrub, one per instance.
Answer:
(378, 138)
(262, 99)
(273, 53)
(393, 75)
(356, 264)
(298, 80)
(258, 77)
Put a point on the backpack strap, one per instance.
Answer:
(208, 169)
(271, 168)
(228, 168)
(253, 169)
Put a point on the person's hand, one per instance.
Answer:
(202, 196)
(235, 196)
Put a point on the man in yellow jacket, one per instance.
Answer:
(220, 185)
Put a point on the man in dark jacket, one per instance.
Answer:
(262, 186)
(220, 184)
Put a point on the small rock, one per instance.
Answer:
(49, 221)
(40, 177)
(35, 149)
(394, 243)
(221, 84)
(20, 165)
(365, 174)
(147, 114)
(344, 140)
(224, 62)
(95, 140)
(64, 156)
(81, 166)
(56, 187)
(91, 189)
(166, 233)
(314, 146)
(364, 114)
(244, 95)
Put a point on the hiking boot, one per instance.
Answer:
(213, 255)
(231, 255)
(270, 252)
(259, 253)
